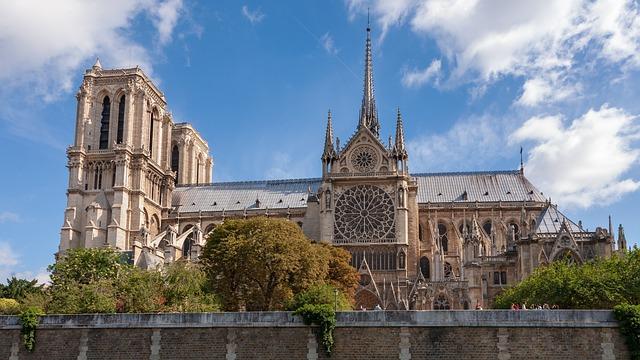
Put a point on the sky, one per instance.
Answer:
(475, 81)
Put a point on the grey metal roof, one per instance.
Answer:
(232, 196)
(550, 220)
(279, 194)
(489, 186)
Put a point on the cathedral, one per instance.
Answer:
(142, 184)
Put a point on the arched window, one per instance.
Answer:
(104, 123)
(514, 233)
(448, 271)
(444, 241)
(401, 260)
(120, 132)
(424, 267)
(209, 229)
(175, 160)
(487, 227)
(461, 227)
(420, 232)
(441, 303)
(152, 120)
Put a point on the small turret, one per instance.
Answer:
(97, 65)
(622, 240)
(329, 154)
(399, 151)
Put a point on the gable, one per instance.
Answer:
(364, 153)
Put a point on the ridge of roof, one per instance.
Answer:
(465, 173)
(252, 182)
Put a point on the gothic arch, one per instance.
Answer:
(443, 235)
(155, 224)
(425, 269)
(569, 255)
(441, 302)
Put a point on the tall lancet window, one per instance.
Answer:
(120, 132)
(175, 160)
(153, 118)
(104, 123)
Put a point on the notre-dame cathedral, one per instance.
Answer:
(142, 184)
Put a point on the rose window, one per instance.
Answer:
(364, 213)
(364, 159)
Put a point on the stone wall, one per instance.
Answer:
(539, 334)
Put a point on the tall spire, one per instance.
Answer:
(368, 111)
(329, 152)
(399, 149)
(622, 240)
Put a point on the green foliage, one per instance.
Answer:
(598, 284)
(260, 263)
(323, 316)
(18, 289)
(29, 321)
(85, 266)
(139, 291)
(186, 289)
(321, 295)
(9, 306)
(629, 319)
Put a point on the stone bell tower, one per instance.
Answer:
(120, 164)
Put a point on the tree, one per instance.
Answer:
(598, 284)
(18, 289)
(186, 288)
(85, 266)
(260, 263)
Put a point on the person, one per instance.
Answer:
(514, 306)
(377, 307)
(478, 306)
(524, 306)
(555, 307)
(545, 306)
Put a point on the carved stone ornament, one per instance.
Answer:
(364, 158)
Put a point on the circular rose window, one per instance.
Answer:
(364, 213)
(364, 158)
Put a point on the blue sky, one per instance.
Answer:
(474, 81)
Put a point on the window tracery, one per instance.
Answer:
(104, 123)
(441, 303)
(364, 213)
(364, 158)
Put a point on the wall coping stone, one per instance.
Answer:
(445, 318)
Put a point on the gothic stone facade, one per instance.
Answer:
(140, 183)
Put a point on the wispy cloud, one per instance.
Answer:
(45, 45)
(256, 16)
(418, 77)
(328, 44)
(583, 163)
(8, 216)
(546, 43)
(7, 256)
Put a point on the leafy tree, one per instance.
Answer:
(9, 306)
(85, 266)
(186, 288)
(18, 289)
(629, 318)
(139, 291)
(598, 284)
(260, 263)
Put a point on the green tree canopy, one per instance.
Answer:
(260, 263)
(18, 289)
(598, 284)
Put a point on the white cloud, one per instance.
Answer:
(7, 256)
(585, 162)
(328, 44)
(254, 17)
(8, 216)
(544, 41)
(44, 43)
(418, 77)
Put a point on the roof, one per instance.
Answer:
(231, 196)
(281, 194)
(550, 220)
(488, 186)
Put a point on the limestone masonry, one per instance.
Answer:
(142, 184)
(539, 334)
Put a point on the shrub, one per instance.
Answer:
(320, 295)
(29, 321)
(9, 306)
(325, 318)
